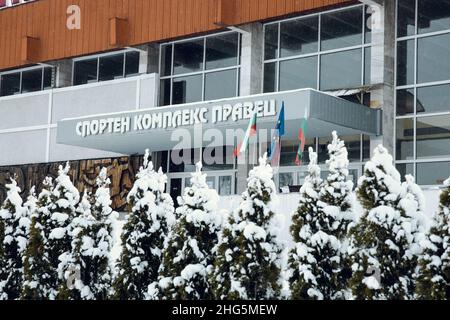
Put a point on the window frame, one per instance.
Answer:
(204, 70)
(42, 67)
(353, 165)
(415, 86)
(362, 46)
(102, 55)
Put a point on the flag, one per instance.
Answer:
(251, 131)
(302, 139)
(275, 148)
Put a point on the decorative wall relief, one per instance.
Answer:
(121, 172)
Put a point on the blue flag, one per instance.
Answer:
(280, 122)
(275, 148)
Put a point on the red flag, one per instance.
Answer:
(302, 139)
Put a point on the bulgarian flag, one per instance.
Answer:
(251, 131)
(302, 139)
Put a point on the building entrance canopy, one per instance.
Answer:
(161, 128)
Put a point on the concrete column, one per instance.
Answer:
(250, 84)
(153, 58)
(383, 70)
(251, 59)
(63, 73)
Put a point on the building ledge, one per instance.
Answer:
(133, 131)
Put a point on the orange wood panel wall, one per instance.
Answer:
(147, 21)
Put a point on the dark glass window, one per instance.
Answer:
(299, 36)
(366, 148)
(322, 150)
(405, 169)
(433, 99)
(433, 173)
(221, 84)
(368, 21)
(289, 152)
(32, 80)
(176, 160)
(433, 137)
(222, 51)
(187, 89)
(367, 66)
(405, 62)
(188, 57)
(270, 77)
(353, 145)
(285, 179)
(340, 70)
(85, 71)
(225, 185)
(218, 158)
(164, 156)
(183, 161)
(405, 101)
(406, 17)
(166, 60)
(203, 57)
(111, 67)
(10, 84)
(271, 42)
(341, 29)
(298, 73)
(433, 15)
(433, 63)
(48, 78)
(164, 92)
(405, 138)
(132, 63)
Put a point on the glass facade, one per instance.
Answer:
(218, 162)
(26, 80)
(201, 69)
(326, 51)
(105, 67)
(423, 90)
(291, 176)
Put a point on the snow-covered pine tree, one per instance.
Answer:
(39, 275)
(433, 281)
(248, 263)
(62, 209)
(69, 269)
(414, 221)
(102, 274)
(381, 241)
(16, 228)
(144, 234)
(316, 263)
(336, 195)
(337, 203)
(87, 269)
(31, 204)
(303, 268)
(2, 249)
(187, 259)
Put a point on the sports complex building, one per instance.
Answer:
(97, 82)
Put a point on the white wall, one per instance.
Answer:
(28, 121)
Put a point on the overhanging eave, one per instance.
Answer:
(324, 114)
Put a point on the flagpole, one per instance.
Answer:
(255, 159)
